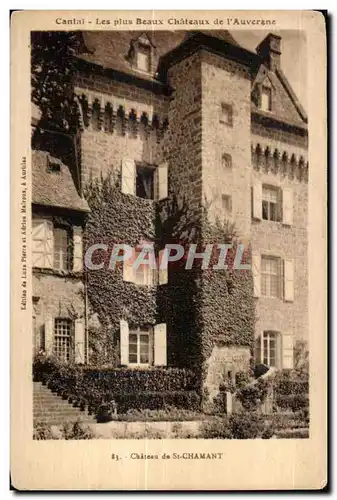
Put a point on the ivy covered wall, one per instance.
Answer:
(202, 308)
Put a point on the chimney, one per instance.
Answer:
(270, 51)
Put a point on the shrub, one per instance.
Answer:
(246, 425)
(124, 380)
(218, 428)
(42, 431)
(169, 414)
(158, 400)
(238, 426)
(242, 379)
(153, 389)
(69, 430)
(291, 391)
(252, 396)
(76, 430)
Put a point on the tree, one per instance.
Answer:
(53, 65)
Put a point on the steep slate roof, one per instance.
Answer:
(109, 49)
(54, 189)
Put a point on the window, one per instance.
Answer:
(267, 349)
(144, 58)
(266, 99)
(226, 114)
(226, 161)
(271, 203)
(227, 205)
(63, 329)
(145, 182)
(61, 249)
(42, 242)
(143, 275)
(139, 346)
(53, 166)
(270, 276)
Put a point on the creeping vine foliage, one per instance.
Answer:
(202, 308)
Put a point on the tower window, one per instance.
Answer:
(226, 114)
(145, 182)
(271, 203)
(270, 276)
(226, 161)
(227, 205)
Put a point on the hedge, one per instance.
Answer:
(153, 380)
(152, 389)
(291, 390)
(156, 400)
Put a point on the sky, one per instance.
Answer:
(293, 57)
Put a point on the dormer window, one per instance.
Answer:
(266, 98)
(141, 53)
(144, 58)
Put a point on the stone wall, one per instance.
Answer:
(223, 364)
(55, 296)
(103, 150)
(226, 82)
(182, 142)
(282, 241)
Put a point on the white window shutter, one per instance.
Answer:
(289, 280)
(257, 200)
(49, 246)
(160, 355)
(49, 335)
(128, 176)
(162, 176)
(256, 269)
(128, 271)
(38, 242)
(162, 273)
(78, 249)
(79, 341)
(287, 351)
(287, 206)
(124, 342)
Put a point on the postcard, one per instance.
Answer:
(169, 244)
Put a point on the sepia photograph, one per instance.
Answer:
(169, 234)
(168, 251)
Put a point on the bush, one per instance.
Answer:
(76, 431)
(291, 391)
(189, 400)
(42, 431)
(218, 428)
(238, 426)
(246, 425)
(242, 379)
(124, 380)
(69, 430)
(252, 396)
(153, 389)
(169, 414)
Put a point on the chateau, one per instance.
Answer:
(190, 113)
